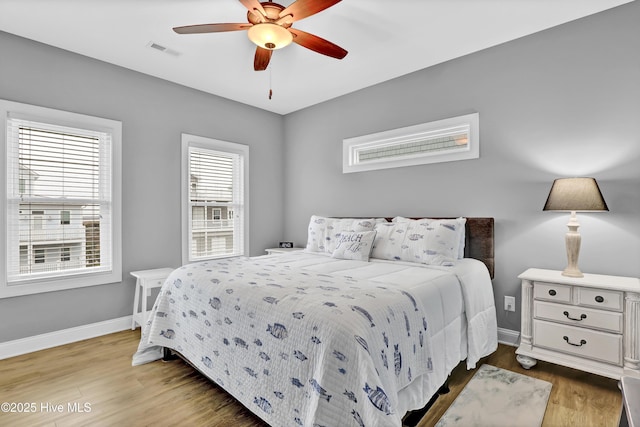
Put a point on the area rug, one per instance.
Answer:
(497, 397)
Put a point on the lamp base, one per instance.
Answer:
(572, 272)
(572, 240)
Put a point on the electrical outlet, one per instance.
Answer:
(509, 303)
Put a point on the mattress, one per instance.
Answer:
(325, 374)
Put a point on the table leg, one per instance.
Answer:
(136, 301)
(144, 305)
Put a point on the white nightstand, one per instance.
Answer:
(590, 323)
(273, 251)
(145, 281)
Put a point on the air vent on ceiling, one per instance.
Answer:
(163, 49)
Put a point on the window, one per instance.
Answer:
(65, 254)
(65, 217)
(36, 220)
(446, 140)
(61, 202)
(38, 256)
(215, 198)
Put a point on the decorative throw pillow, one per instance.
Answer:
(354, 245)
(324, 231)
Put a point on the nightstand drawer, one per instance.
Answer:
(578, 341)
(599, 298)
(551, 292)
(578, 316)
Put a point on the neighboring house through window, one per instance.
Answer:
(214, 198)
(61, 202)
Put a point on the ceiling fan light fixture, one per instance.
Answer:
(268, 35)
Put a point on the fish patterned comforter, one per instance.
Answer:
(295, 347)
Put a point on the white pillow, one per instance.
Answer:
(354, 245)
(324, 231)
(462, 231)
(442, 242)
(426, 241)
(388, 241)
(458, 223)
(315, 234)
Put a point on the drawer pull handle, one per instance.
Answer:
(582, 342)
(582, 316)
(599, 299)
(552, 292)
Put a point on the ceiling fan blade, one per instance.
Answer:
(302, 8)
(317, 44)
(254, 4)
(262, 58)
(210, 28)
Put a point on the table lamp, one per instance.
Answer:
(572, 195)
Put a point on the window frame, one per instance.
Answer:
(200, 142)
(74, 280)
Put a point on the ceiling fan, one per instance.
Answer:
(269, 27)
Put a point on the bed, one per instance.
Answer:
(361, 327)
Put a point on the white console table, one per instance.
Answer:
(145, 281)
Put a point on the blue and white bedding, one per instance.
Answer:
(306, 339)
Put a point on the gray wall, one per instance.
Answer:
(153, 113)
(562, 102)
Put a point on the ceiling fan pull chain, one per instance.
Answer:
(270, 91)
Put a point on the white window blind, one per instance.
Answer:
(59, 196)
(215, 208)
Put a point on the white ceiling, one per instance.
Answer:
(384, 40)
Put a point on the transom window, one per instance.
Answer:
(445, 140)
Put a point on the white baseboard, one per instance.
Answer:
(508, 337)
(93, 330)
(65, 336)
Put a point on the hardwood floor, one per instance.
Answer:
(96, 377)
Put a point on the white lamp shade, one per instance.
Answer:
(269, 36)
